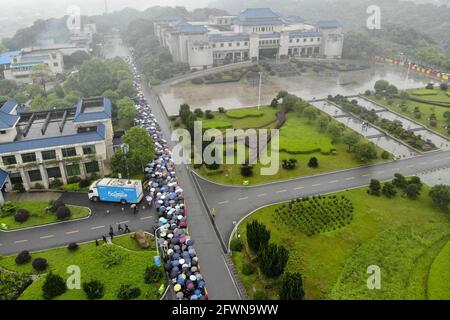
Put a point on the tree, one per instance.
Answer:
(126, 89)
(292, 287)
(94, 78)
(313, 162)
(126, 112)
(53, 286)
(365, 151)
(274, 103)
(20, 97)
(323, 122)
(282, 94)
(94, 289)
(310, 113)
(41, 74)
(184, 113)
(351, 139)
(152, 274)
(374, 187)
(198, 113)
(335, 131)
(391, 90)
(142, 149)
(246, 170)
(289, 102)
(59, 91)
(33, 90)
(6, 86)
(412, 191)
(257, 235)
(443, 86)
(399, 181)
(75, 59)
(389, 190)
(39, 103)
(381, 86)
(128, 292)
(118, 164)
(440, 195)
(272, 260)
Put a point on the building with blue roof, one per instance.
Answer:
(5, 61)
(37, 147)
(252, 33)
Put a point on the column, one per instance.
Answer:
(25, 179)
(44, 175)
(63, 172)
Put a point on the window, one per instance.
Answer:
(238, 44)
(245, 43)
(55, 64)
(221, 45)
(8, 160)
(290, 40)
(214, 45)
(35, 175)
(48, 155)
(54, 172)
(311, 40)
(263, 29)
(3, 132)
(318, 39)
(15, 177)
(89, 149)
(73, 170)
(92, 167)
(304, 40)
(28, 157)
(69, 152)
(298, 40)
(230, 44)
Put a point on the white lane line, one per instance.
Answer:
(281, 191)
(262, 195)
(122, 222)
(244, 198)
(99, 227)
(410, 166)
(299, 188)
(223, 202)
(396, 169)
(333, 181)
(349, 178)
(316, 185)
(20, 241)
(366, 175)
(72, 232)
(47, 237)
(145, 218)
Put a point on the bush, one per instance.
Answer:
(23, 257)
(221, 110)
(55, 184)
(246, 170)
(385, 155)
(272, 260)
(84, 183)
(236, 245)
(257, 235)
(94, 289)
(429, 86)
(63, 213)
(248, 269)
(389, 190)
(93, 177)
(374, 188)
(292, 287)
(74, 179)
(313, 162)
(8, 208)
(39, 264)
(54, 286)
(38, 186)
(197, 81)
(260, 295)
(443, 86)
(22, 215)
(128, 292)
(72, 246)
(19, 187)
(152, 274)
(209, 114)
(198, 113)
(54, 205)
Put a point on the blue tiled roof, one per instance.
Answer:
(270, 35)
(189, 28)
(328, 24)
(294, 19)
(5, 58)
(229, 37)
(258, 17)
(92, 116)
(300, 34)
(3, 176)
(258, 13)
(8, 120)
(85, 137)
(259, 22)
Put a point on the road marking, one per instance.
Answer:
(396, 169)
(47, 237)
(244, 198)
(349, 178)
(122, 222)
(20, 241)
(316, 185)
(262, 195)
(72, 232)
(333, 181)
(281, 191)
(145, 218)
(380, 172)
(223, 202)
(99, 227)
(299, 188)
(366, 175)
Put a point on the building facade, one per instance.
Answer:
(37, 147)
(254, 33)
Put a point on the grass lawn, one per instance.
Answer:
(38, 215)
(402, 236)
(435, 95)
(244, 118)
(425, 109)
(244, 113)
(439, 279)
(130, 267)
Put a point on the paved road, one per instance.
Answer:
(233, 203)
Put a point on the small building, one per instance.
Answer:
(37, 147)
(5, 61)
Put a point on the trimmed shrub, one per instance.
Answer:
(38, 186)
(72, 246)
(8, 208)
(55, 184)
(248, 269)
(84, 183)
(54, 205)
(221, 110)
(272, 260)
(74, 179)
(39, 264)
(53, 286)
(209, 114)
(94, 289)
(313, 162)
(292, 287)
(23, 257)
(128, 292)
(63, 213)
(152, 274)
(21, 215)
(385, 155)
(257, 235)
(236, 245)
(246, 170)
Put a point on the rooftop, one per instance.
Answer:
(328, 24)
(93, 109)
(7, 117)
(229, 37)
(5, 58)
(190, 28)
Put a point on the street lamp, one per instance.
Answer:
(125, 150)
(259, 91)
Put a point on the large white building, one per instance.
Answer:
(252, 34)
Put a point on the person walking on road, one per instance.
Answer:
(104, 239)
(127, 230)
(213, 213)
(119, 228)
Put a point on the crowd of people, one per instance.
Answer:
(165, 194)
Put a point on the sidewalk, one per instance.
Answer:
(32, 196)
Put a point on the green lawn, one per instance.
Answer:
(435, 95)
(244, 113)
(325, 259)
(244, 118)
(425, 109)
(38, 215)
(439, 279)
(91, 260)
